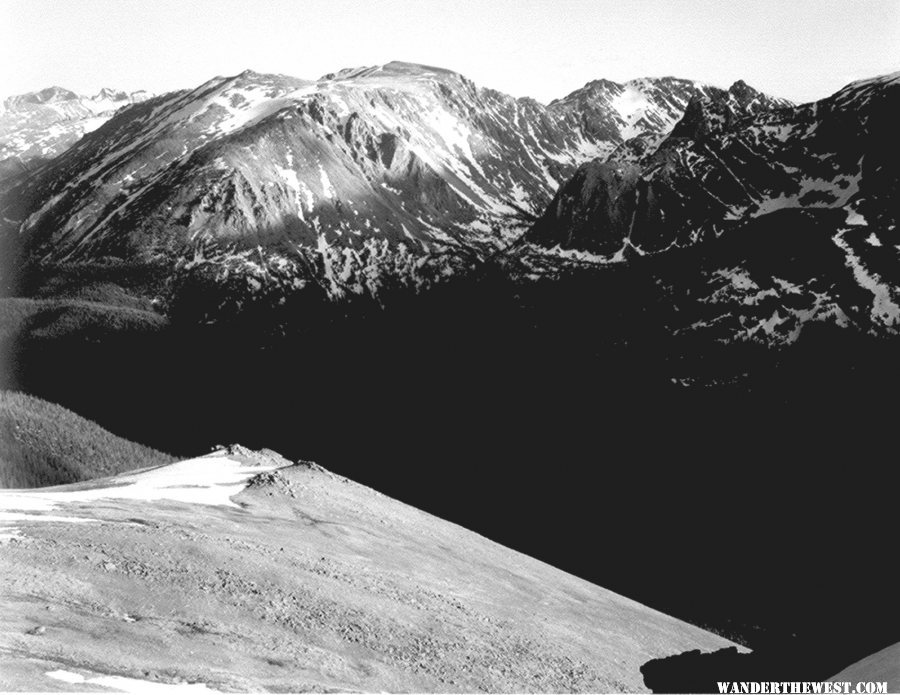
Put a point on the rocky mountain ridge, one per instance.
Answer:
(729, 167)
(38, 126)
(394, 173)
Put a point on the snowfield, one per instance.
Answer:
(210, 480)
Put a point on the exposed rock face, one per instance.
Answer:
(398, 165)
(396, 153)
(728, 161)
(651, 106)
(726, 167)
(37, 126)
(717, 110)
(598, 195)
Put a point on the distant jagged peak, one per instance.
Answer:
(51, 94)
(111, 94)
(612, 88)
(752, 99)
(43, 124)
(54, 95)
(48, 95)
(619, 111)
(715, 109)
(680, 86)
(665, 83)
(739, 88)
(664, 80)
(593, 87)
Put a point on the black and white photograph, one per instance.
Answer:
(430, 346)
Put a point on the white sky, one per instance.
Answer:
(799, 49)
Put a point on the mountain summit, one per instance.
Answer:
(40, 125)
(750, 184)
(380, 165)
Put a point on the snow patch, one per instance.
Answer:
(208, 480)
(327, 188)
(884, 309)
(129, 685)
(854, 218)
(519, 195)
(246, 106)
(823, 193)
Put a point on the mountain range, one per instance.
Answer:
(37, 126)
(608, 331)
(365, 173)
(406, 175)
(792, 211)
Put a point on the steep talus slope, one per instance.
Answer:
(39, 125)
(725, 169)
(302, 581)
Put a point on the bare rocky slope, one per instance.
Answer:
(366, 176)
(245, 573)
(37, 126)
(792, 209)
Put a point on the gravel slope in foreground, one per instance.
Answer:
(298, 580)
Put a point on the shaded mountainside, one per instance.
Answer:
(45, 444)
(367, 175)
(723, 164)
(286, 578)
(523, 411)
(763, 282)
(37, 126)
(729, 169)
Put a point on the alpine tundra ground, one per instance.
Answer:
(301, 581)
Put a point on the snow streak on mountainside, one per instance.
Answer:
(726, 167)
(41, 125)
(362, 169)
